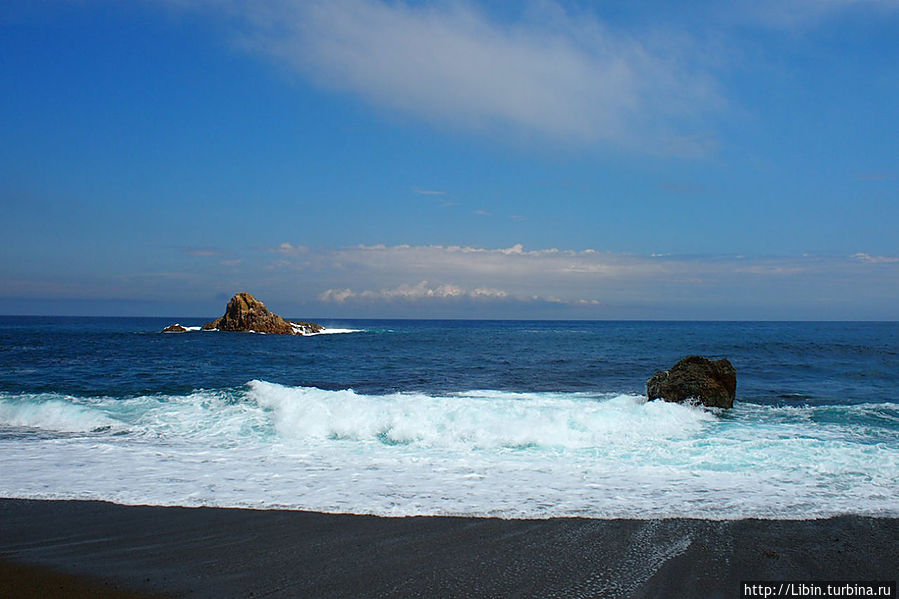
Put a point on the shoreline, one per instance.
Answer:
(238, 552)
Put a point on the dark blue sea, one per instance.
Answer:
(504, 418)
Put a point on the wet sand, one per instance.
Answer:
(130, 551)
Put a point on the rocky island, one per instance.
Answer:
(247, 314)
(711, 382)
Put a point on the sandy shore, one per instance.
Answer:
(210, 552)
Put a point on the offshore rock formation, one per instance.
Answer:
(713, 383)
(245, 313)
(174, 328)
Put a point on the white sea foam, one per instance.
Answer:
(475, 420)
(297, 328)
(63, 415)
(481, 453)
(327, 331)
(186, 328)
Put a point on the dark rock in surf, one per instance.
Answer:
(174, 328)
(711, 382)
(305, 328)
(245, 313)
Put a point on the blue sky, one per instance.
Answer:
(361, 158)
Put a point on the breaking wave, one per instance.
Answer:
(481, 452)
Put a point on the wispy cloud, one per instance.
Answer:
(593, 283)
(420, 291)
(548, 73)
(544, 71)
(289, 249)
(423, 292)
(428, 192)
(585, 278)
(863, 257)
(516, 281)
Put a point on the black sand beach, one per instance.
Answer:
(110, 550)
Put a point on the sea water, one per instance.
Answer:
(496, 418)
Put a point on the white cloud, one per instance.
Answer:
(863, 257)
(337, 295)
(425, 291)
(490, 293)
(587, 279)
(546, 73)
(421, 291)
(290, 249)
(428, 192)
(515, 281)
(484, 265)
(541, 72)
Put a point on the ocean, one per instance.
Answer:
(513, 419)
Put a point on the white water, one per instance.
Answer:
(478, 453)
(321, 332)
(334, 332)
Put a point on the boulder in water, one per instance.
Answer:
(245, 313)
(711, 382)
(174, 328)
(305, 328)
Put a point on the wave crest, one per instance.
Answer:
(49, 413)
(476, 419)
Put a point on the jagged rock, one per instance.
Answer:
(711, 382)
(174, 328)
(245, 313)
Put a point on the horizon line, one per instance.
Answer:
(463, 319)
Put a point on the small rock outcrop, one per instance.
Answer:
(305, 328)
(174, 328)
(245, 313)
(711, 382)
